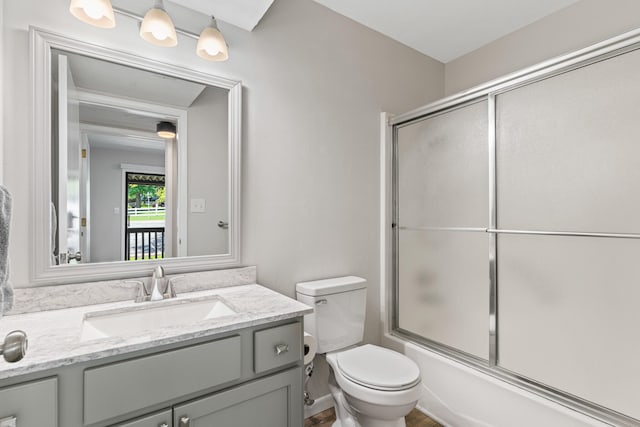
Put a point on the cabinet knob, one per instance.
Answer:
(163, 425)
(14, 347)
(184, 422)
(282, 348)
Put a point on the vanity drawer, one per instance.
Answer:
(277, 346)
(32, 404)
(124, 387)
(159, 419)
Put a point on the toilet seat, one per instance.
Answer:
(378, 368)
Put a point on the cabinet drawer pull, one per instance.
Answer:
(163, 425)
(185, 422)
(282, 348)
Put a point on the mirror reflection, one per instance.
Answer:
(140, 164)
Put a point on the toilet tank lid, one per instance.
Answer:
(331, 286)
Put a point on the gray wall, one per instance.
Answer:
(577, 26)
(1, 93)
(208, 172)
(107, 193)
(314, 85)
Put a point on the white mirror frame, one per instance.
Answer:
(42, 273)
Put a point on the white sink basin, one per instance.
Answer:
(151, 316)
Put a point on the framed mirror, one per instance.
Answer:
(136, 163)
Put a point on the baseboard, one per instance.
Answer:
(433, 417)
(322, 403)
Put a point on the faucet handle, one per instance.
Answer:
(171, 292)
(143, 293)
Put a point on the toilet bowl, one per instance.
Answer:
(371, 386)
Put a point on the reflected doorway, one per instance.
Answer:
(145, 216)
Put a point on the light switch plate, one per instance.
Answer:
(8, 422)
(197, 206)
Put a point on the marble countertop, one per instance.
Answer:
(54, 335)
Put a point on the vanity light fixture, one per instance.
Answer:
(157, 27)
(98, 13)
(211, 44)
(166, 130)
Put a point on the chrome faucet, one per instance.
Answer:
(159, 287)
(158, 284)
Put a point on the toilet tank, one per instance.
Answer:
(339, 310)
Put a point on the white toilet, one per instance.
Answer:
(371, 386)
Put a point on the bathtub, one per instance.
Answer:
(458, 396)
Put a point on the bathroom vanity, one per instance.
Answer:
(241, 368)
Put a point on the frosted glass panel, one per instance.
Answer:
(569, 315)
(443, 177)
(568, 150)
(444, 288)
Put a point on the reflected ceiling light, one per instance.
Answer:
(211, 44)
(166, 130)
(157, 27)
(98, 13)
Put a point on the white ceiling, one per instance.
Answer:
(242, 13)
(444, 29)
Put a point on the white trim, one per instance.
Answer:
(385, 221)
(322, 403)
(158, 170)
(125, 133)
(42, 273)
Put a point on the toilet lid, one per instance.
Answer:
(378, 368)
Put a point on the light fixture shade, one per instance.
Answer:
(98, 13)
(211, 45)
(157, 27)
(166, 130)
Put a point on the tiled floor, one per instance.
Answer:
(326, 418)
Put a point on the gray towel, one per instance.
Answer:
(6, 291)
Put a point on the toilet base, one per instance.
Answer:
(348, 416)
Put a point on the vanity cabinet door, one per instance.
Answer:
(33, 404)
(274, 401)
(159, 419)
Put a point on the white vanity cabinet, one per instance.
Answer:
(245, 377)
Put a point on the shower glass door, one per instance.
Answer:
(568, 163)
(516, 226)
(442, 181)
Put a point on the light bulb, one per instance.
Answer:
(93, 11)
(160, 32)
(212, 50)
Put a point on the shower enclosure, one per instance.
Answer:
(516, 229)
